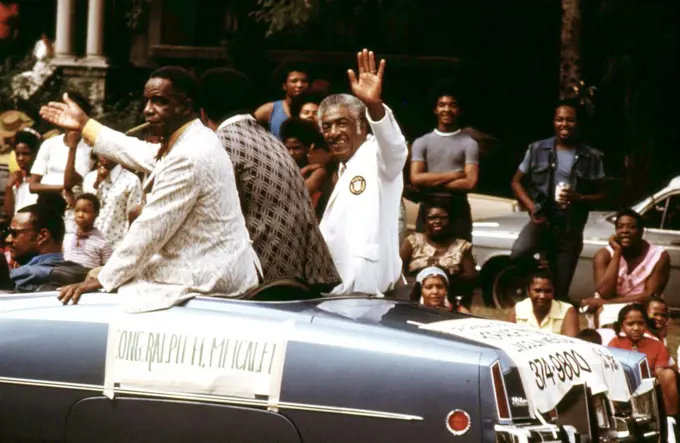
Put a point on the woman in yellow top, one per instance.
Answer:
(541, 311)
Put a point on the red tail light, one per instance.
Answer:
(458, 422)
(502, 403)
(644, 369)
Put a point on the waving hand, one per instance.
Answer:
(367, 86)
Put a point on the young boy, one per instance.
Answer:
(88, 246)
(17, 193)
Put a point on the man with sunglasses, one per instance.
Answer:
(34, 239)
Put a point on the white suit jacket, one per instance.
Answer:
(361, 220)
(191, 236)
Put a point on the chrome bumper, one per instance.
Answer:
(586, 417)
(638, 419)
(538, 433)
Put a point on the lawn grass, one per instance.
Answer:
(502, 314)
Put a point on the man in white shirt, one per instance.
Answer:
(360, 224)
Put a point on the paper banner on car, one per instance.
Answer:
(199, 355)
(549, 364)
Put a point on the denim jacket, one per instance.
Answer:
(583, 180)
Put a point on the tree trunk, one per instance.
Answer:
(570, 60)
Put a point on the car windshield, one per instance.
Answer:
(672, 185)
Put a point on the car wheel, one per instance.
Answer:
(487, 277)
(508, 287)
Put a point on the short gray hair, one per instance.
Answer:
(356, 108)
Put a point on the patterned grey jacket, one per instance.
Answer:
(277, 207)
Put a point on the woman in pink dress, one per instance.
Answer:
(630, 269)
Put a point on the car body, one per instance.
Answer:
(493, 239)
(334, 370)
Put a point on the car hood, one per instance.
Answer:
(524, 347)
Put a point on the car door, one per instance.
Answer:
(132, 420)
(662, 221)
(188, 375)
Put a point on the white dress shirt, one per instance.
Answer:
(118, 194)
(361, 220)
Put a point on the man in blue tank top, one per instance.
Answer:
(294, 81)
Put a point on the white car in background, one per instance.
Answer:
(483, 206)
(502, 285)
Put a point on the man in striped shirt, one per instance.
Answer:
(87, 246)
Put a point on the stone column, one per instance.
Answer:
(64, 43)
(95, 31)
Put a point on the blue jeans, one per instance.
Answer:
(562, 248)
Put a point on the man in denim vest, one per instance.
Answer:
(558, 180)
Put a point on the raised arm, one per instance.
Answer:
(367, 87)
(71, 177)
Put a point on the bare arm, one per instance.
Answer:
(71, 177)
(9, 201)
(521, 193)
(406, 252)
(315, 180)
(655, 284)
(468, 272)
(38, 188)
(606, 272)
(264, 113)
(15, 179)
(570, 325)
(512, 317)
(467, 183)
(421, 178)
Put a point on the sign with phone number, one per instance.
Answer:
(549, 364)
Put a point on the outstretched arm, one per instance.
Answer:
(128, 151)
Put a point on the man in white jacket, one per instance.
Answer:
(360, 224)
(191, 237)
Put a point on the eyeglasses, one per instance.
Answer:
(15, 232)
